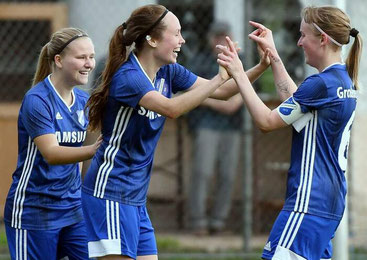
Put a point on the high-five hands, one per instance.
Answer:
(264, 38)
(228, 57)
(222, 71)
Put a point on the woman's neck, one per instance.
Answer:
(149, 64)
(330, 58)
(64, 90)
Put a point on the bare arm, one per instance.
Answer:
(230, 88)
(176, 106)
(284, 84)
(265, 118)
(227, 107)
(55, 154)
(90, 139)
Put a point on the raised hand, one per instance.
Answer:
(228, 58)
(264, 56)
(262, 36)
(222, 71)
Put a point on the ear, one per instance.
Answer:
(57, 60)
(324, 39)
(151, 41)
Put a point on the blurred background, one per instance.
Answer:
(263, 159)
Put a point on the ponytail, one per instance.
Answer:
(354, 58)
(98, 100)
(129, 35)
(43, 66)
(58, 43)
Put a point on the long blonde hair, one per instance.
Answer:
(56, 45)
(336, 24)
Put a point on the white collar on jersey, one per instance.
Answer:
(336, 63)
(141, 67)
(72, 93)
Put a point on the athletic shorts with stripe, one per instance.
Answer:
(300, 236)
(114, 228)
(69, 242)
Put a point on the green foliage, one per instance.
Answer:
(266, 83)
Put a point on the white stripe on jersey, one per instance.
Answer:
(313, 151)
(19, 196)
(291, 229)
(122, 119)
(307, 163)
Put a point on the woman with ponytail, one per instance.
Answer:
(130, 106)
(43, 215)
(321, 111)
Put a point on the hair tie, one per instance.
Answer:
(152, 26)
(353, 32)
(69, 41)
(124, 25)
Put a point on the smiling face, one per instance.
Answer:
(310, 43)
(77, 61)
(169, 45)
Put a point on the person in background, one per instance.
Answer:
(130, 107)
(43, 214)
(321, 111)
(216, 129)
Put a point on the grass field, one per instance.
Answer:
(171, 249)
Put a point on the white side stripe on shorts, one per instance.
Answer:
(16, 221)
(122, 119)
(290, 230)
(113, 219)
(20, 244)
(307, 165)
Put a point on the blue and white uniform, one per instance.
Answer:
(43, 196)
(316, 184)
(120, 170)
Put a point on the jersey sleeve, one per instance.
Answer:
(36, 116)
(182, 78)
(311, 94)
(131, 87)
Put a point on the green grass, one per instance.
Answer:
(171, 249)
(3, 241)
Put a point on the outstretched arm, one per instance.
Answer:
(263, 37)
(229, 89)
(265, 119)
(176, 106)
(226, 107)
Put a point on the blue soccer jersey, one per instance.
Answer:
(44, 196)
(121, 168)
(316, 178)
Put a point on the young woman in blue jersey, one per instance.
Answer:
(43, 214)
(130, 105)
(321, 111)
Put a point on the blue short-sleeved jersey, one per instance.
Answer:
(120, 170)
(44, 196)
(316, 180)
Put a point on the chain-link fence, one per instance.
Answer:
(179, 157)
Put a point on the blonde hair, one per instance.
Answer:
(58, 42)
(335, 23)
